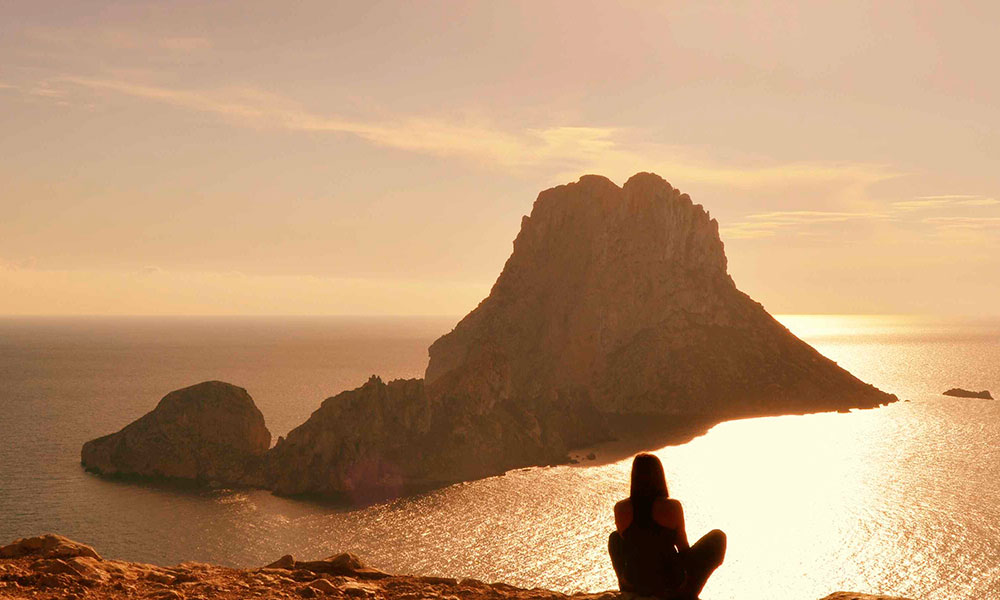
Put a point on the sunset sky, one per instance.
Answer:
(376, 158)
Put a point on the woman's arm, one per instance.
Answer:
(623, 515)
(669, 513)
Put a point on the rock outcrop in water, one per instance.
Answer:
(207, 432)
(385, 439)
(79, 572)
(615, 306)
(621, 296)
(960, 393)
(616, 302)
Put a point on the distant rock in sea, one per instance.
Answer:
(615, 307)
(52, 567)
(960, 393)
(209, 432)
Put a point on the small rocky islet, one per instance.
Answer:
(962, 393)
(54, 567)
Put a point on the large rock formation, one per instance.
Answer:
(615, 303)
(211, 431)
(621, 295)
(615, 306)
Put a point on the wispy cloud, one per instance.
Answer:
(964, 222)
(252, 107)
(768, 224)
(115, 39)
(764, 225)
(944, 201)
(799, 217)
(563, 150)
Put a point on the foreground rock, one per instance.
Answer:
(960, 393)
(208, 432)
(81, 573)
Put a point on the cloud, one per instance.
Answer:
(763, 225)
(563, 150)
(116, 39)
(767, 224)
(964, 222)
(944, 201)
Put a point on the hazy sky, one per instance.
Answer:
(363, 157)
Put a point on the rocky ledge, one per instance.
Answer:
(51, 566)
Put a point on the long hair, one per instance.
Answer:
(648, 480)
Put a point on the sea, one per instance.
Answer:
(901, 500)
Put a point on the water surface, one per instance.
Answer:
(904, 499)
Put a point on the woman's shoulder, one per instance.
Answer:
(667, 502)
(669, 505)
(668, 512)
(623, 514)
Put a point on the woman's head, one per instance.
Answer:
(647, 477)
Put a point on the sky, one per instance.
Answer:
(376, 157)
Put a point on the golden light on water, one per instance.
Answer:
(815, 327)
(873, 500)
(903, 499)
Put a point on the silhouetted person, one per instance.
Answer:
(649, 548)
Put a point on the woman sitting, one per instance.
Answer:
(649, 548)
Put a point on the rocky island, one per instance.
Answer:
(960, 393)
(615, 307)
(209, 432)
(53, 567)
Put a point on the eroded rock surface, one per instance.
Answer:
(385, 439)
(38, 575)
(207, 432)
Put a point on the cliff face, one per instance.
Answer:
(211, 431)
(382, 440)
(620, 297)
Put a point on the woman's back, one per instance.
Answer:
(649, 529)
(649, 547)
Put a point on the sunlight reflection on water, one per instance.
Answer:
(903, 499)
